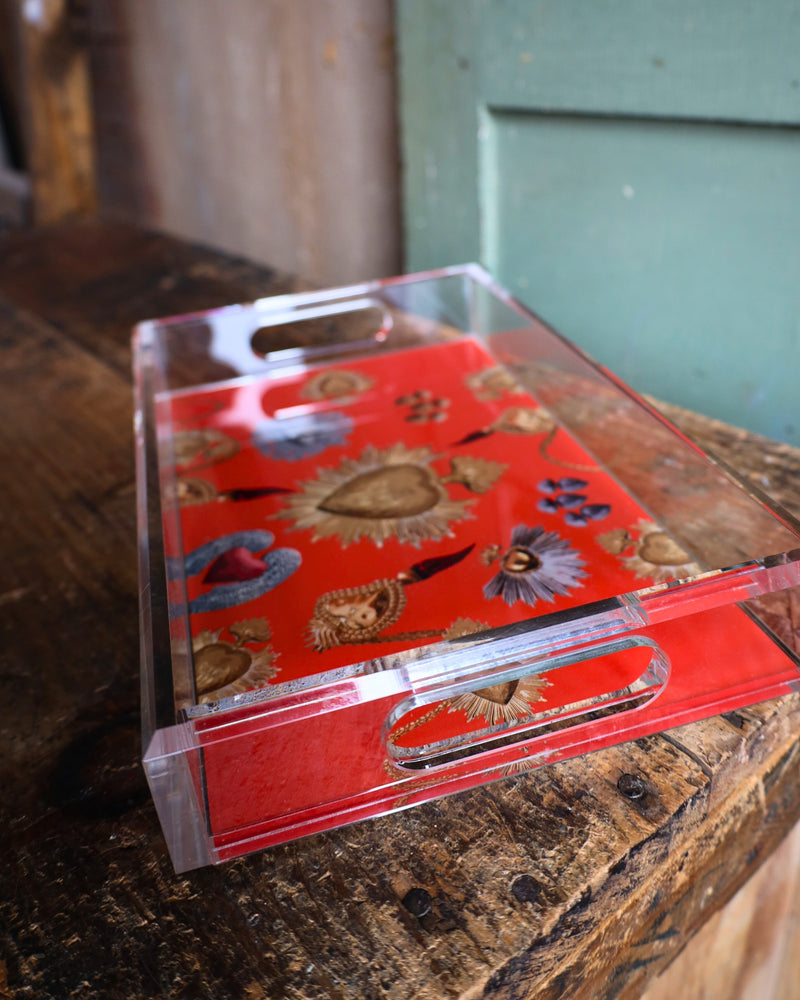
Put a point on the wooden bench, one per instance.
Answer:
(580, 880)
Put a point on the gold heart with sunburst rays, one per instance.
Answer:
(656, 555)
(223, 669)
(501, 702)
(389, 493)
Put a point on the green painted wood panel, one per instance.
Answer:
(631, 170)
(680, 230)
(730, 59)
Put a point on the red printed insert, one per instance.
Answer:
(335, 514)
(350, 512)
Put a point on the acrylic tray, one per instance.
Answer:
(400, 539)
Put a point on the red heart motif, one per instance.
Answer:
(234, 565)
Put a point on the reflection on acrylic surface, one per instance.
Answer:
(302, 495)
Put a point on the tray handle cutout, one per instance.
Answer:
(324, 331)
(525, 703)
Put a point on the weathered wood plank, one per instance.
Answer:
(747, 951)
(263, 128)
(94, 281)
(59, 131)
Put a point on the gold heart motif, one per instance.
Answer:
(393, 491)
(336, 384)
(500, 694)
(219, 664)
(660, 550)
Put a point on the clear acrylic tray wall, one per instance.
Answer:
(400, 539)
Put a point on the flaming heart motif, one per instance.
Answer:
(223, 668)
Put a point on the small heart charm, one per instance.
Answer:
(219, 664)
(235, 565)
(659, 549)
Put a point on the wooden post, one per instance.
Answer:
(58, 126)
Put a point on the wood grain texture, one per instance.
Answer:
(550, 884)
(748, 950)
(59, 128)
(79, 279)
(263, 128)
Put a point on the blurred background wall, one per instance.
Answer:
(267, 129)
(629, 168)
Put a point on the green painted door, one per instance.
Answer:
(630, 169)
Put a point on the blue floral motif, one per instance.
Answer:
(299, 437)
